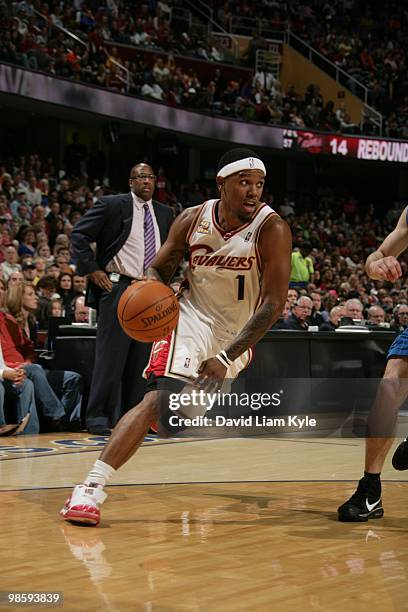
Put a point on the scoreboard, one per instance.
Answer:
(357, 147)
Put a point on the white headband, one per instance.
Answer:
(249, 163)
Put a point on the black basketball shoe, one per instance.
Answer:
(364, 504)
(400, 457)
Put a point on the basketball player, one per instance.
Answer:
(235, 290)
(366, 502)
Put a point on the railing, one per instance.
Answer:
(125, 77)
(338, 74)
(122, 73)
(180, 14)
(74, 37)
(268, 61)
(198, 7)
(374, 117)
(205, 9)
(246, 26)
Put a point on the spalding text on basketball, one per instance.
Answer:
(156, 318)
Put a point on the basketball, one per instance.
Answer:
(148, 311)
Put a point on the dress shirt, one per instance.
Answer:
(130, 259)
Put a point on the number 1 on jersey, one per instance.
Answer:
(241, 286)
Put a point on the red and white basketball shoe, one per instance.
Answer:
(83, 505)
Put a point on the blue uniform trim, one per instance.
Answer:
(400, 345)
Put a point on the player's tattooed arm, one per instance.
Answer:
(172, 251)
(255, 329)
(275, 248)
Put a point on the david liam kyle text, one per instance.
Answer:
(294, 421)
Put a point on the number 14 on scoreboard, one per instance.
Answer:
(339, 146)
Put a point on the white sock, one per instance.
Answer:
(99, 474)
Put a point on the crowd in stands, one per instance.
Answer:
(329, 286)
(259, 98)
(149, 25)
(38, 44)
(313, 309)
(368, 40)
(68, 39)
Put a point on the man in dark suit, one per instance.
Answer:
(128, 230)
(301, 311)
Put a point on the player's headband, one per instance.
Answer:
(249, 163)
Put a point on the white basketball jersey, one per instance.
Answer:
(223, 278)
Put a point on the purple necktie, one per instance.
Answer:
(149, 238)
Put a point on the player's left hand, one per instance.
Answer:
(211, 374)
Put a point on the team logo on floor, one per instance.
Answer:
(61, 446)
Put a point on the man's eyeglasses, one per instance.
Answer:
(142, 177)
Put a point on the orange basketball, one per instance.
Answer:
(148, 311)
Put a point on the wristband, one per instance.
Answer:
(225, 356)
(222, 360)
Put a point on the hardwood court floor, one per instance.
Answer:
(218, 525)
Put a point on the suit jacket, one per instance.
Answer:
(108, 223)
(327, 326)
(293, 322)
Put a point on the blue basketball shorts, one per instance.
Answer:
(399, 348)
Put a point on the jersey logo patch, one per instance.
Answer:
(187, 362)
(203, 227)
(248, 237)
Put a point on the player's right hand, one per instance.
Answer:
(101, 279)
(17, 376)
(211, 374)
(386, 268)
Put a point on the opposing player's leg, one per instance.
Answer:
(83, 504)
(400, 457)
(366, 502)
